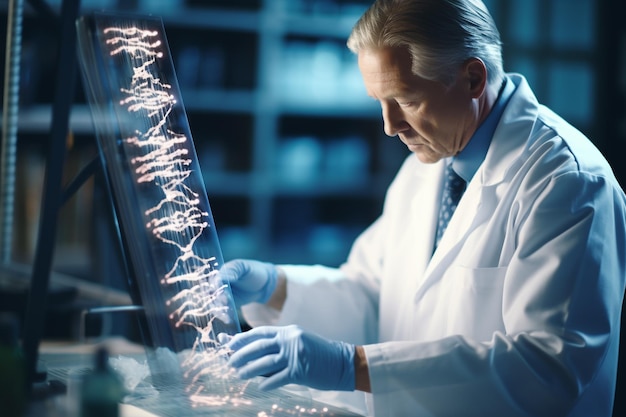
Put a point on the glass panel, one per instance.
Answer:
(161, 201)
(572, 23)
(571, 91)
(524, 22)
(525, 66)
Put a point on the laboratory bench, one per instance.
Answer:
(63, 361)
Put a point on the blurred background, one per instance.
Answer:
(292, 151)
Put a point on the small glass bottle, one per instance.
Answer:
(12, 368)
(101, 390)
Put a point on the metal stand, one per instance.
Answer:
(52, 191)
(54, 196)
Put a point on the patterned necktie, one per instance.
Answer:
(454, 187)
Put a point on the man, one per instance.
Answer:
(515, 310)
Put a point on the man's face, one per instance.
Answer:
(432, 120)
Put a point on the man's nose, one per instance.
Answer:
(393, 119)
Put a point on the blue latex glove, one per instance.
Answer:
(290, 355)
(250, 281)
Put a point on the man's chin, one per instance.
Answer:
(426, 158)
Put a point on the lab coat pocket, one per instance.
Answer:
(475, 301)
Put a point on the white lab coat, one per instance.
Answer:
(516, 313)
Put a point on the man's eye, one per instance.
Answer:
(405, 103)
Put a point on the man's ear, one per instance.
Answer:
(476, 73)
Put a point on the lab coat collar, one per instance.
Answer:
(467, 162)
(517, 121)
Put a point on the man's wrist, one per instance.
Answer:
(361, 370)
(278, 297)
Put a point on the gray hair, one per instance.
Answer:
(440, 35)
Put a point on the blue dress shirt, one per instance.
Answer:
(466, 163)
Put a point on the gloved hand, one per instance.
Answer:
(250, 281)
(290, 355)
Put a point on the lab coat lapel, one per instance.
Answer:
(481, 195)
(426, 203)
(460, 225)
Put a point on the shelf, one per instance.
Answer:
(234, 184)
(319, 26)
(229, 20)
(365, 108)
(253, 81)
(221, 101)
(36, 119)
(227, 184)
(325, 186)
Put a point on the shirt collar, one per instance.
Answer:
(466, 163)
